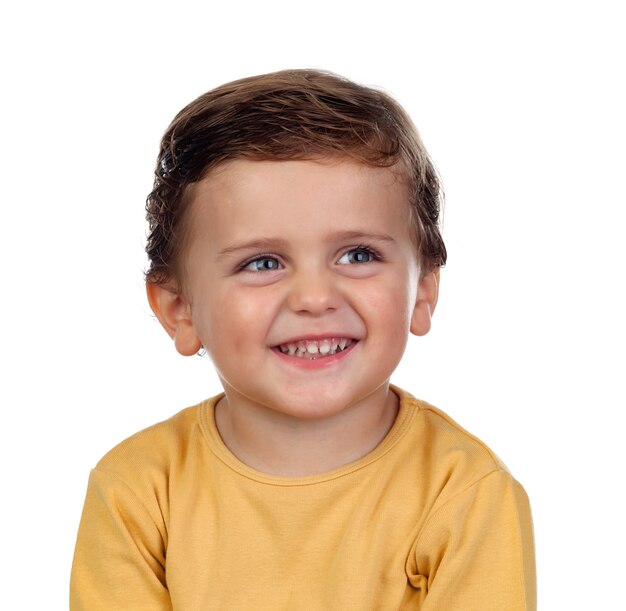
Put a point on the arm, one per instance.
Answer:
(119, 561)
(476, 551)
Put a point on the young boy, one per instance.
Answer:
(294, 237)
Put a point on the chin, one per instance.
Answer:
(320, 404)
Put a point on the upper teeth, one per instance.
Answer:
(311, 348)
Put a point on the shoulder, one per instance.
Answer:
(443, 436)
(130, 489)
(476, 518)
(154, 450)
(450, 458)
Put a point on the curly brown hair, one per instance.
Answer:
(292, 114)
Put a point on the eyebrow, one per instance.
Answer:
(279, 243)
(260, 244)
(361, 235)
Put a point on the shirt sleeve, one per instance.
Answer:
(119, 560)
(476, 552)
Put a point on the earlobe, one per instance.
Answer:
(427, 295)
(174, 314)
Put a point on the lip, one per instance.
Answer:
(315, 363)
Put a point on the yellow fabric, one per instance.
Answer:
(429, 520)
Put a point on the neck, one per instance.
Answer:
(280, 444)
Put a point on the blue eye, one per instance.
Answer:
(357, 256)
(262, 264)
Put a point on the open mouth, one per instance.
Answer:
(316, 349)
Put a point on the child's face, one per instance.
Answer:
(301, 282)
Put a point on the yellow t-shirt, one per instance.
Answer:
(429, 520)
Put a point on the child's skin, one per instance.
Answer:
(281, 252)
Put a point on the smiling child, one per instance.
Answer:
(294, 236)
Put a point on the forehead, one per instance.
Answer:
(242, 194)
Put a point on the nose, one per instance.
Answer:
(313, 292)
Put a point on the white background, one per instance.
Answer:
(521, 105)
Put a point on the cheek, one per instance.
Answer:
(392, 305)
(242, 316)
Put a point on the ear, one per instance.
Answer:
(174, 314)
(427, 295)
